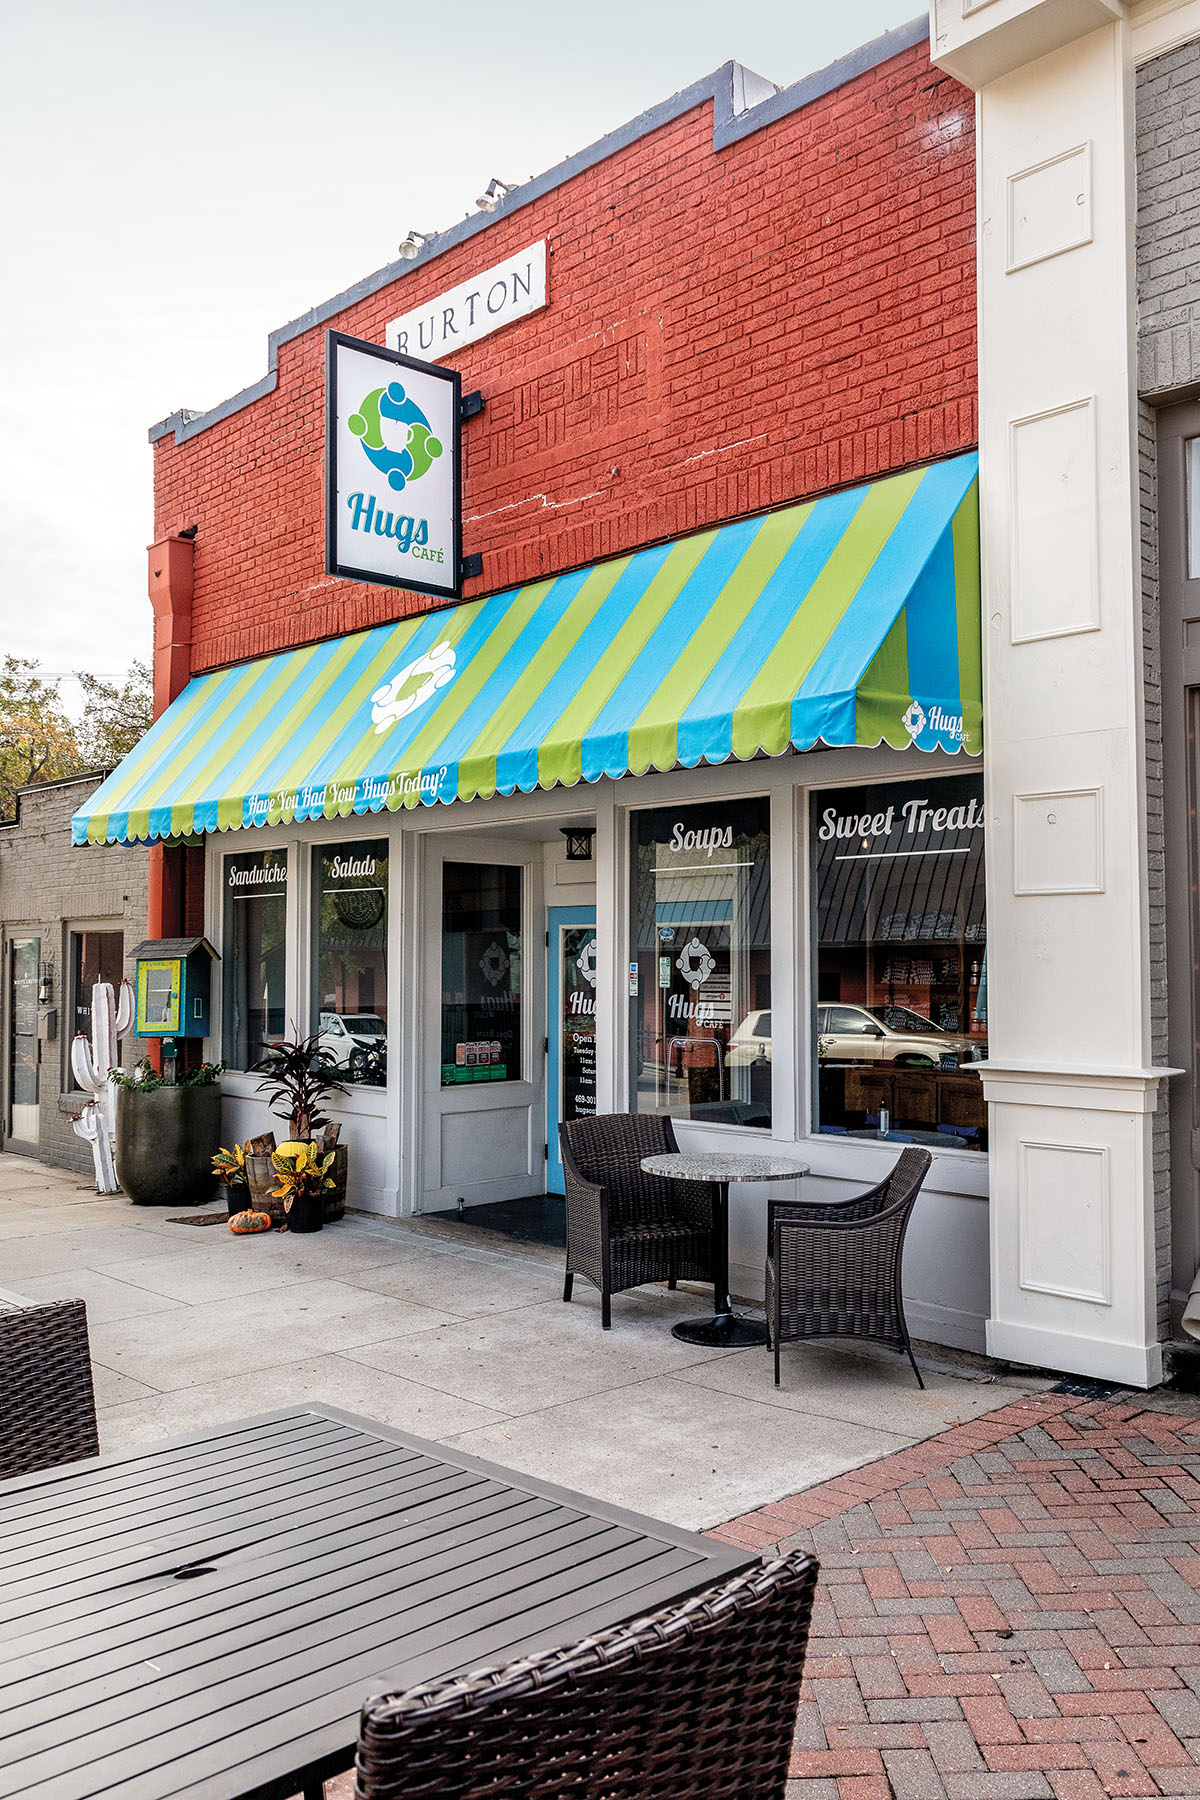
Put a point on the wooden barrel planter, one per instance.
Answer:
(335, 1197)
(261, 1178)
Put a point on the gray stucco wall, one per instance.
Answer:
(1168, 286)
(48, 887)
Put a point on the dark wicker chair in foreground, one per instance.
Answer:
(697, 1700)
(47, 1408)
(625, 1227)
(834, 1271)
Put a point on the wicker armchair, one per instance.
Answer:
(697, 1699)
(625, 1227)
(834, 1271)
(47, 1408)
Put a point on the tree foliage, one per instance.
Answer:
(116, 715)
(39, 741)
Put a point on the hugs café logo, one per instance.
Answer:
(396, 438)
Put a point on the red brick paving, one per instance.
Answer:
(1008, 1611)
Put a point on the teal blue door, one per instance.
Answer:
(570, 1026)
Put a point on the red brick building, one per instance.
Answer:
(756, 300)
(743, 312)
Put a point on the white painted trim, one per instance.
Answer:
(1162, 25)
(401, 852)
(1132, 1091)
(413, 973)
(788, 985)
(946, 1325)
(1073, 1072)
(1133, 1365)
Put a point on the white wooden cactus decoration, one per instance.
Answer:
(91, 1065)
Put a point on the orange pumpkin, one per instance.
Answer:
(250, 1221)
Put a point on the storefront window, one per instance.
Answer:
(901, 954)
(700, 962)
(95, 956)
(350, 924)
(253, 955)
(481, 973)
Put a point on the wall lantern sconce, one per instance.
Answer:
(493, 194)
(413, 244)
(46, 984)
(579, 842)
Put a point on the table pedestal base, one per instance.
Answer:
(722, 1331)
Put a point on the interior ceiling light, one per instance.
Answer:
(413, 244)
(493, 194)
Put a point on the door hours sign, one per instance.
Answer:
(392, 469)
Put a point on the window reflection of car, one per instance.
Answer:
(892, 1034)
(356, 1042)
(751, 1042)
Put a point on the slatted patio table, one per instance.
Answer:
(205, 1618)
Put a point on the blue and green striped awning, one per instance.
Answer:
(852, 619)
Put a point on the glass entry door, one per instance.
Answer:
(570, 1028)
(23, 1072)
(485, 1101)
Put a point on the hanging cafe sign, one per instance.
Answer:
(393, 469)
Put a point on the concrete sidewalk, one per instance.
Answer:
(450, 1334)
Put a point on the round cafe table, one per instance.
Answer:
(726, 1329)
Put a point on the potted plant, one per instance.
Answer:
(167, 1134)
(303, 1178)
(298, 1078)
(229, 1167)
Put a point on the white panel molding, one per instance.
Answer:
(1049, 208)
(1072, 1224)
(1054, 542)
(1055, 832)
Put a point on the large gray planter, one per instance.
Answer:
(166, 1140)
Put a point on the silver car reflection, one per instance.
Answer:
(849, 1033)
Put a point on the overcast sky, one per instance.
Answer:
(179, 180)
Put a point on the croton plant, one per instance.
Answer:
(301, 1169)
(229, 1166)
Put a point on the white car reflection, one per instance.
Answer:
(357, 1042)
(847, 1033)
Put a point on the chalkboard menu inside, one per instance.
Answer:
(578, 1021)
